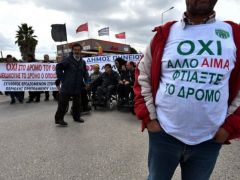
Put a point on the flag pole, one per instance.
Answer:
(125, 38)
(88, 30)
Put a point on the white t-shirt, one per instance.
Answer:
(192, 98)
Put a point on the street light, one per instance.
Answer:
(166, 11)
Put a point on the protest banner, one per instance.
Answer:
(110, 59)
(42, 76)
(27, 77)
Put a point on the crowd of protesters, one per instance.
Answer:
(96, 82)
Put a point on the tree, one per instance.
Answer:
(26, 40)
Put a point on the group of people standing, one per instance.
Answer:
(76, 84)
(34, 96)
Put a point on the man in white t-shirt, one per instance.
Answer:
(187, 92)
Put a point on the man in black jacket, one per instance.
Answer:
(72, 74)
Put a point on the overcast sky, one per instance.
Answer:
(136, 17)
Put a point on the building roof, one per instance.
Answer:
(93, 46)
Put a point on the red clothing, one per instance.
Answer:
(232, 122)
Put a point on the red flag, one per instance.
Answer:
(82, 27)
(121, 35)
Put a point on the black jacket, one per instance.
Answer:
(128, 76)
(72, 74)
(106, 79)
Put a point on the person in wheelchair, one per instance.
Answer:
(96, 73)
(105, 85)
(125, 87)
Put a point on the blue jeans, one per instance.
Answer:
(166, 153)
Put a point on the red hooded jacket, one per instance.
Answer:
(232, 122)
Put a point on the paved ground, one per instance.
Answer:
(108, 146)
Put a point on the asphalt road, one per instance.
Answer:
(108, 146)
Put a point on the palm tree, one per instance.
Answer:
(26, 40)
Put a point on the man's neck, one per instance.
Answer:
(77, 58)
(198, 19)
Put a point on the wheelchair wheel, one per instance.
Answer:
(90, 103)
(110, 105)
